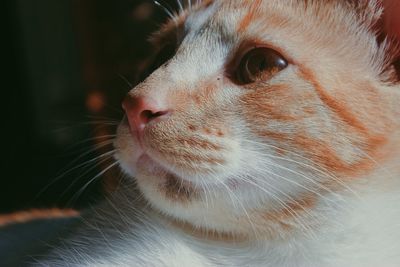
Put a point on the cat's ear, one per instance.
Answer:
(369, 12)
(372, 14)
(391, 31)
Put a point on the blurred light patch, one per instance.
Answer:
(95, 101)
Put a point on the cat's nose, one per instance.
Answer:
(141, 110)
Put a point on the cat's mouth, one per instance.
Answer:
(170, 184)
(148, 167)
(175, 165)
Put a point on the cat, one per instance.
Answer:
(266, 134)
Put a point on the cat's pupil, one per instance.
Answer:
(256, 65)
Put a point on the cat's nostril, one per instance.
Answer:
(141, 110)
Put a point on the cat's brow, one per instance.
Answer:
(218, 30)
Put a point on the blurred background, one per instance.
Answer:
(68, 64)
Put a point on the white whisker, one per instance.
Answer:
(87, 171)
(166, 10)
(307, 166)
(56, 179)
(77, 194)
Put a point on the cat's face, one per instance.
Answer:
(262, 109)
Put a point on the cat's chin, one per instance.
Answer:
(147, 167)
(149, 170)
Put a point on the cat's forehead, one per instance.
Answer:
(201, 17)
(298, 29)
(215, 17)
(221, 17)
(235, 16)
(235, 20)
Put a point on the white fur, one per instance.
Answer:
(365, 234)
(355, 226)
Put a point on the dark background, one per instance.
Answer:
(67, 66)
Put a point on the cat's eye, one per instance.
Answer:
(259, 64)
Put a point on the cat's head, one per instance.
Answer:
(256, 110)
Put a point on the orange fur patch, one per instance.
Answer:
(294, 208)
(339, 108)
(36, 214)
(177, 190)
(204, 234)
(270, 103)
(255, 5)
(324, 154)
(197, 143)
(284, 107)
(185, 160)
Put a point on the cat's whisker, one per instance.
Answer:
(290, 198)
(164, 7)
(267, 170)
(313, 165)
(103, 122)
(125, 80)
(98, 124)
(328, 200)
(83, 164)
(259, 172)
(87, 171)
(100, 146)
(101, 118)
(106, 137)
(203, 187)
(308, 166)
(376, 163)
(206, 191)
(292, 212)
(77, 194)
(230, 193)
(113, 225)
(123, 216)
(94, 151)
(327, 175)
(179, 3)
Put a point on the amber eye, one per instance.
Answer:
(260, 64)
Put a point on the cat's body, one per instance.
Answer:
(271, 138)
(366, 235)
(125, 232)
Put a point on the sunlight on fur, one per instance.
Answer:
(266, 134)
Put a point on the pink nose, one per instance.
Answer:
(140, 111)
